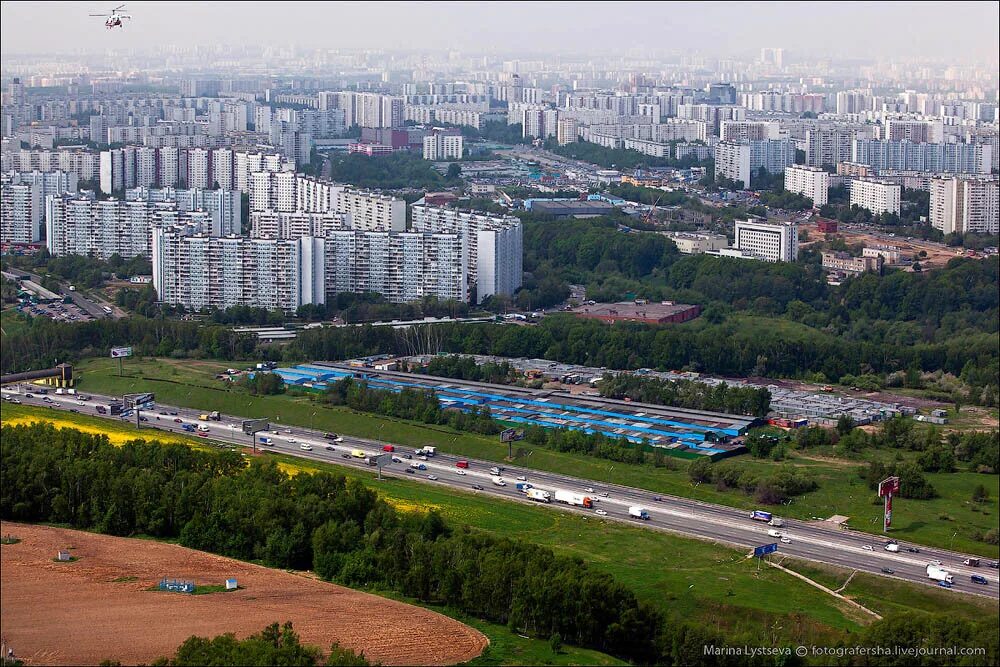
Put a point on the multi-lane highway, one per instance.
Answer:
(817, 541)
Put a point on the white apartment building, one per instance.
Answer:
(810, 182)
(199, 272)
(84, 163)
(401, 266)
(492, 246)
(960, 205)
(440, 146)
(225, 207)
(732, 161)
(745, 131)
(79, 226)
(21, 212)
(566, 133)
(296, 224)
(373, 212)
(875, 195)
(768, 242)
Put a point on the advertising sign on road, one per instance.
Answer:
(137, 400)
(119, 352)
(251, 426)
(765, 549)
(511, 435)
(888, 487)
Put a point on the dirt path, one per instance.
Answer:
(98, 607)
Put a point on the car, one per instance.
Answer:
(601, 512)
(888, 570)
(333, 436)
(785, 540)
(589, 489)
(944, 584)
(433, 478)
(461, 472)
(330, 448)
(396, 459)
(178, 420)
(407, 456)
(913, 550)
(978, 579)
(477, 487)
(172, 413)
(306, 447)
(604, 494)
(410, 471)
(292, 441)
(868, 547)
(657, 498)
(992, 563)
(345, 455)
(15, 401)
(73, 410)
(163, 414)
(203, 434)
(522, 478)
(143, 418)
(422, 457)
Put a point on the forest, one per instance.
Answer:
(397, 171)
(214, 501)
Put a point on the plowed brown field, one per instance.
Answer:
(77, 613)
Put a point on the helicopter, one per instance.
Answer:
(114, 19)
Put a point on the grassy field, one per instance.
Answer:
(841, 490)
(687, 578)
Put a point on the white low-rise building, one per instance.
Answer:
(768, 242)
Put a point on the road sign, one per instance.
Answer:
(765, 549)
(251, 426)
(120, 352)
(137, 400)
(888, 487)
(511, 434)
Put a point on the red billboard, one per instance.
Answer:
(888, 487)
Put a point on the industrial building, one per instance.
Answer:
(666, 312)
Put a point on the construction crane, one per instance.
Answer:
(647, 218)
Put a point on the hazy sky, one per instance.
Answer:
(952, 30)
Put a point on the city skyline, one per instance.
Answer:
(722, 28)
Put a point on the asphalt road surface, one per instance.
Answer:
(809, 540)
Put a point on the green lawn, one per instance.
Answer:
(686, 578)
(192, 383)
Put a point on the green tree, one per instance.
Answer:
(556, 642)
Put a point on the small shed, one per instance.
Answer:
(231, 584)
(63, 556)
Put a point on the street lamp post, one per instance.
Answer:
(609, 474)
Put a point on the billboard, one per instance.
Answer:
(765, 549)
(134, 400)
(888, 487)
(119, 352)
(251, 426)
(511, 435)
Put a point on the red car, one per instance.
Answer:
(203, 434)
(388, 448)
(462, 464)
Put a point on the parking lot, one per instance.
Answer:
(65, 312)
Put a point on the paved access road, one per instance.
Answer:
(810, 540)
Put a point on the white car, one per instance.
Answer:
(292, 441)
(868, 547)
(432, 477)
(601, 512)
(306, 447)
(461, 472)
(589, 489)
(785, 540)
(522, 478)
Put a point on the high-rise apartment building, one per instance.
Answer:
(961, 205)
(875, 195)
(21, 212)
(745, 131)
(566, 133)
(810, 182)
(439, 145)
(732, 161)
(225, 207)
(909, 156)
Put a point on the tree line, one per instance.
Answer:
(689, 394)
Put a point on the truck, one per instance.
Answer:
(418, 466)
(462, 464)
(371, 460)
(427, 451)
(523, 487)
(638, 513)
(571, 498)
(971, 562)
(499, 481)
(60, 391)
(495, 471)
(358, 454)
(215, 416)
(541, 495)
(266, 441)
(938, 573)
(101, 410)
(776, 522)
(892, 547)
(759, 515)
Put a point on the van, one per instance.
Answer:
(203, 428)
(462, 464)
(774, 533)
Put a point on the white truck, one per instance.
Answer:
(892, 547)
(495, 471)
(499, 481)
(774, 533)
(938, 573)
(426, 451)
(541, 495)
(638, 513)
(571, 498)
